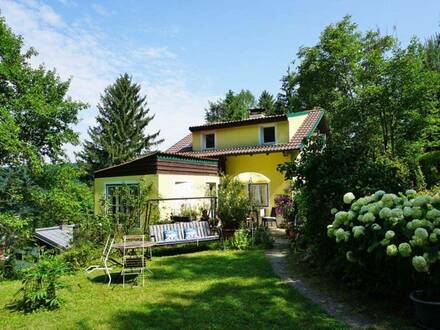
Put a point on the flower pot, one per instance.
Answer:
(427, 312)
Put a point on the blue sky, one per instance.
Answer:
(185, 53)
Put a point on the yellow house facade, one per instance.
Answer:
(249, 150)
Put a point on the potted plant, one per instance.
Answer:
(404, 229)
(233, 204)
(285, 206)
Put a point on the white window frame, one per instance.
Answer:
(210, 184)
(261, 134)
(203, 142)
(117, 183)
(120, 183)
(267, 192)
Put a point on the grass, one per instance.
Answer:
(206, 290)
(386, 314)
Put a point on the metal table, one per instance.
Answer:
(133, 245)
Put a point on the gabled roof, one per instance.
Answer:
(183, 145)
(306, 129)
(241, 122)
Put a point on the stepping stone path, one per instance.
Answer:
(339, 310)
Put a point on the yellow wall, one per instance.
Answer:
(263, 164)
(163, 187)
(99, 186)
(167, 183)
(198, 188)
(242, 135)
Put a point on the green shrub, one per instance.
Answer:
(241, 239)
(263, 238)
(387, 229)
(233, 202)
(40, 284)
(15, 232)
(80, 255)
(46, 197)
(430, 165)
(93, 229)
(324, 172)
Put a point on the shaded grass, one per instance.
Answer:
(386, 314)
(208, 289)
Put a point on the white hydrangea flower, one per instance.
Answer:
(348, 198)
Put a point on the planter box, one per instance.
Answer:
(177, 218)
(427, 312)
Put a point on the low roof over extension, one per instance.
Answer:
(162, 163)
(310, 124)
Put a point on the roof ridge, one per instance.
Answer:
(235, 121)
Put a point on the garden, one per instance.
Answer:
(363, 208)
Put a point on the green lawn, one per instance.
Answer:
(209, 289)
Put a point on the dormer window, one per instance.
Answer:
(267, 135)
(209, 141)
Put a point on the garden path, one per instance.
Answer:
(333, 307)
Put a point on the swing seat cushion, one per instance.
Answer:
(170, 235)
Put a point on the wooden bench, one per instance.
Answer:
(204, 233)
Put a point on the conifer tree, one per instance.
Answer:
(287, 99)
(267, 102)
(120, 134)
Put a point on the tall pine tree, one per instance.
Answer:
(267, 102)
(122, 121)
(287, 99)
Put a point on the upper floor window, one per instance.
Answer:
(267, 135)
(209, 141)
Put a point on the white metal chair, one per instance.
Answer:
(104, 260)
(133, 263)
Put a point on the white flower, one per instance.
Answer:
(348, 198)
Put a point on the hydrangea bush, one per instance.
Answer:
(404, 228)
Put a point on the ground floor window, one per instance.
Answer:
(259, 194)
(211, 189)
(121, 203)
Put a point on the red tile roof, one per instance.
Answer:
(183, 145)
(307, 127)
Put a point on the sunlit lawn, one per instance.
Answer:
(209, 289)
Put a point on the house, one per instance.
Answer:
(248, 149)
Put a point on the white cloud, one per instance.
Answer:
(81, 51)
(157, 52)
(49, 16)
(100, 9)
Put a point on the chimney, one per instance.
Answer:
(257, 113)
